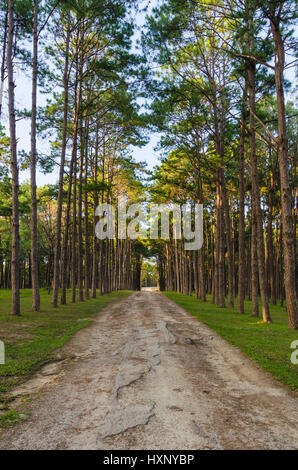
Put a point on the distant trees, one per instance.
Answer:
(149, 274)
(227, 139)
(217, 109)
(88, 44)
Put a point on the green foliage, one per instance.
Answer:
(149, 274)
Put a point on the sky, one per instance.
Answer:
(23, 100)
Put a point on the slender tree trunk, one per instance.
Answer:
(65, 258)
(212, 264)
(2, 78)
(95, 242)
(256, 196)
(80, 235)
(271, 264)
(241, 252)
(61, 174)
(33, 211)
(86, 225)
(177, 264)
(196, 275)
(221, 259)
(254, 265)
(229, 243)
(217, 245)
(15, 250)
(281, 262)
(78, 99)
(288, 233)
(74, 232)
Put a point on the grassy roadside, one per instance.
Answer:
(267, 345)
(31, 339)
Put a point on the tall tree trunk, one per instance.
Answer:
(2, 78)
(33, 211)
(281, 261)
(254, 264)
(241, 252)
(216, 244)
(15, 249)
(288, 233)
(65, 258)
(86, 225)
(78, 100)
(256, 196)
(74, 231)
(95, 242)
(271, 264)
(229, 243)
(201, 292)
(61, 173)
(220, 247)
(80, 234)
(212, 262)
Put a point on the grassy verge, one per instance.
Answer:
(267, 345)
(31, 339)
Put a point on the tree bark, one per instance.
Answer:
(271, 264)
(229, 243)
(241, 230)
(80, 235)
(256, 196)
(15, 249)
(288, 233)
(61, 173)
(86, 225)
(2, 78)
(33, 211)
(95, 242)
(254, 265)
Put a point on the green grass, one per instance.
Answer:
(32, 338)
(10, 418)
(268, 345)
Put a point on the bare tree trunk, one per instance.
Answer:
(80, 235)
(288, 233)
(61, 173)
(95, 242)
(2, 78)
(74, 230)
(78, 99)
(216, 244)
(196, 275)
(229, 243)
(33, 212)
(256, 196)
(65, 257)
(271, 264)
(254, 265)
(241, 253)
(87, 262)
(220, 247)
(281, 261)
(212, 278)
(15, 249)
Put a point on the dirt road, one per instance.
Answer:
(147, 375)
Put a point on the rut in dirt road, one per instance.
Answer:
(148, 375)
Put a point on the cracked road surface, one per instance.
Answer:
(148, 375)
